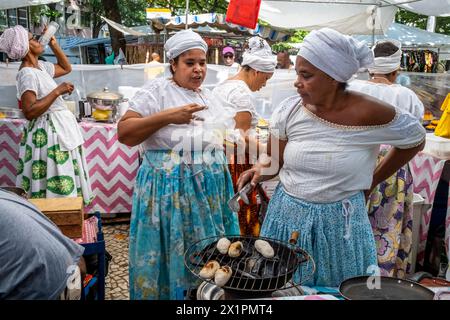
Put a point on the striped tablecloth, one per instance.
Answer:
(427, 170)
(112, 165)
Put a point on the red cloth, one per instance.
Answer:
(243, 12)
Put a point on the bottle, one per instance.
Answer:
(49, 33)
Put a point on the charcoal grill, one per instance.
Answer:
(252, 274)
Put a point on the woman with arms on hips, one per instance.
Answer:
(391, 202)
(182, 189)
(51, 157)
(324, 143)
(235, 94)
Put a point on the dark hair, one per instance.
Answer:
(247, 68)
(176, 62)
(342, 86)
(385, 49)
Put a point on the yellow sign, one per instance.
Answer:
(158, 13)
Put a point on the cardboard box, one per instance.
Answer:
(66, 213)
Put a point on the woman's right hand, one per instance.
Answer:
(252, 175)
(63, 88)
(185, 114)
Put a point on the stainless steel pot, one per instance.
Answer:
(12, 113)
(105, 101)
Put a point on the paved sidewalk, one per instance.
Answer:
(116, 237)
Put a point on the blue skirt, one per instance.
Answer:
(174, 205)
(337, 235)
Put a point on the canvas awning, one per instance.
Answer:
(125, 30)
(9, 4)
(217, 21)
(411, 37)
(348, 17)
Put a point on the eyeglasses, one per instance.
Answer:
(226, 56)
(35, 37)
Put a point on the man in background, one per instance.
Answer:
(156, 57)
(283, 60)
(229, 57)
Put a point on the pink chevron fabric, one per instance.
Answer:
(426, 171)
(112, 165)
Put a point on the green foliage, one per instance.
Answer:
(297, 37)
(280, 46)
(420, 21)
(52, 14)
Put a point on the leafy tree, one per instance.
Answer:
(297, 37)
(420, 21)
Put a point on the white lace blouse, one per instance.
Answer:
(162, 94)
(326, 162)
(236, 96)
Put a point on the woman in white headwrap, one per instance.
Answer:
(183, 184)
(390, 203)
(235, 94)
(324, 143)
(51, 159)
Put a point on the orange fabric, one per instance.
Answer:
(248, 214)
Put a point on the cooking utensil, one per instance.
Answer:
(12, 113)
(252, 272)
(233, 203)
(104, 101)
(366, 288)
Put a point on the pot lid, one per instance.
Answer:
(105, 95)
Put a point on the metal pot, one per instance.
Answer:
(105, 101)
(383, 288)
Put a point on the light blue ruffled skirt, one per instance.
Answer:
(175, 205)
(337, 235)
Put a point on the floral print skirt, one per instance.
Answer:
(45, 171)
(390, 213)
(175, 204)
(340, 240)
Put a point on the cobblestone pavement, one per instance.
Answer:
(116, 237)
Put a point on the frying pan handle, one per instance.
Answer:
(294, 237)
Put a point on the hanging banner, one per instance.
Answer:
(243, 12)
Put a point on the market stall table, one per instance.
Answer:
(427, 171)
(112, 166)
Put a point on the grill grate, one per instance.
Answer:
(290, 266)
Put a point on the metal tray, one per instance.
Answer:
(12, 113)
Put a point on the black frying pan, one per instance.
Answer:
(389, 289)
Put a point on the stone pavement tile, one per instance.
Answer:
(116, 238)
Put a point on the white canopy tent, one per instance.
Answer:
(349, 17)
(9, 4)
(346, 16)
(439, 8)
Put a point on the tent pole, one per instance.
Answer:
(187, 15)
(81, 55)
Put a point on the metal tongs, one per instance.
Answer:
(233, 203)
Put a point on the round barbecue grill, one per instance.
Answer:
(291, 266)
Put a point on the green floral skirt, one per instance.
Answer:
(45, 171)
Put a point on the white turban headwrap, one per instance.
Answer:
(14, 41)
(386, 65)
(259, 56)
(183, 41)
(337, 55)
